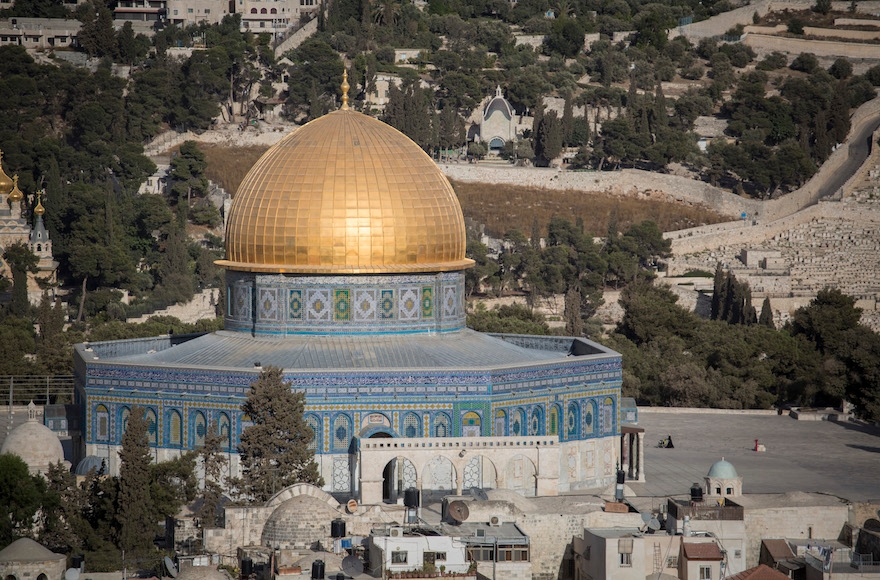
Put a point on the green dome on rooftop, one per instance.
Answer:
(723, 470)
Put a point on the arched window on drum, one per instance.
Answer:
(608, 415)
(124, 414)
(200, 429)
(590, 418)
(536, 424)
(572, 420)
(224, 428)
(518, 423)
(500, 423)
(412, 425)
(554, 420)
(175, 429)
(471, 425)
(102, 423)
(152, 427)
(440, 428)
(315, 425)
(341, 433)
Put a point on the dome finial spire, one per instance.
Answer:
(15, 194)
(345, 86)
(39, 209)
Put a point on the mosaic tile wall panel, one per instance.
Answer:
(285, 304)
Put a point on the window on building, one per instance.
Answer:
(207, 10)
(398, 557)
(189, 10)
(175, 429)
(481, 554)
(672, 562)
(152, 427)
(705, 572)
(513, 554)
(737, 554)
(224, 428)
(729, 491)
(412, 425)
(717, 491)
(625, 549)
(312, 422)
(200, 429)
(440, 556)
(103, 423)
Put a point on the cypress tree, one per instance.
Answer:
(135, 515)
(766, 318)
(212, 461)
(567, 121)
(275, 450)
(718, 293)
(574, 323)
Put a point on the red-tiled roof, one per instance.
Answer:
(778, 549)
(701, 551)
(761, 572)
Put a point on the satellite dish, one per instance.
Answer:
(71, 574)
(646, 517)
(478, 493)
(458, 511)
(654, 524)
(352, 566)
(169, 565)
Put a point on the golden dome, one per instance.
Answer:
(15, 194)
(345, 194)
(39, 209)
(6, 184)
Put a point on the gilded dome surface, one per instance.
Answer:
(6, 184)
(345, 194)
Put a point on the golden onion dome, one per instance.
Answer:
(15, 194)
(6, 183)
(39, 209)
(345, 194)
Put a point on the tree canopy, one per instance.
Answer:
(274, 449)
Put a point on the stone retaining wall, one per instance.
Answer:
(625, 182)
(200, 307)
(821, 48)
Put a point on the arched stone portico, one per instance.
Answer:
(541, 452)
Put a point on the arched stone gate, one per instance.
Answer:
(528, 464)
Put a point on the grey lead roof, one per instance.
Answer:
(464, 349)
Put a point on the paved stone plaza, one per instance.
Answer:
(841, 459)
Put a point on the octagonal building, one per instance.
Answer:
(345, 265)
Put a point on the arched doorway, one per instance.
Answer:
(399, 474)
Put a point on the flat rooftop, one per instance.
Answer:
(837, 458)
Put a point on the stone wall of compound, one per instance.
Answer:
(765, 218)
(203, 305)
(624, 182)
(297, 38)
(821, 48)
(718, 25)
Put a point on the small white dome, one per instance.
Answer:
(35, 443)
